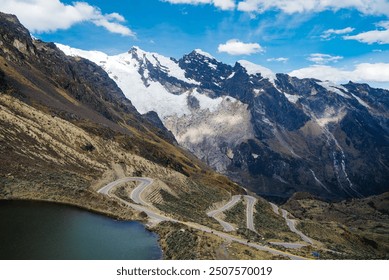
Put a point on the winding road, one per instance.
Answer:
(136, 197)
(292, 226)
(136, 194)
(158, 217)
(275, 208)
(214, 213)
(250, 200)
(231, 238)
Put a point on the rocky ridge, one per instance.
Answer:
(272, 133)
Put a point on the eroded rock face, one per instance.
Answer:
(273, 133)
(213, 134)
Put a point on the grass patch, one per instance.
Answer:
(272, 226)
(236, 215)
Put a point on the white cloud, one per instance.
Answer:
(375, 36)
(48, 16)
(330, 32)
(236, 47)
(221, 4)
(320, 58)
(371, 7)
(278, 59)
(224, 4)
(364, 72)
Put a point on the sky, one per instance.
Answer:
(337, 40)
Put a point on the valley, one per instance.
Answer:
(193, 148)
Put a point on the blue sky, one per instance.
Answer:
(336, 40)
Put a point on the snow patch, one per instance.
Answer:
(318, 181)
(231, 76)
(363, 103)
(94, 56)
(292, 98)
(203, 53)
(279, 178)
(209, 103)
(212, 66)
(166, 64)
(340, 171)
(230, 154)
(267, 121)
(254, 69)
(258, 92)
(338, 89)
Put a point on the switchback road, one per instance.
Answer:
(292, 226)
(214, 213)
(158, 217)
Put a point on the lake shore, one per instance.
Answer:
(48, 230)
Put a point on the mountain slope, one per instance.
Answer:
(66, 128)
(357, 227)
(273, 133)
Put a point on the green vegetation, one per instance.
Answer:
(355, 229)
(249, 235)
(193, 205)
(272, 226)
(181, 242)
(236, 215)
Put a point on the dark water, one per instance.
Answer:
(45, 231)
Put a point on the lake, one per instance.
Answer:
(47, 231)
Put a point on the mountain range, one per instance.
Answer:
(272, 133)
(73, 123)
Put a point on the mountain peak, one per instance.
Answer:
(136, 50)
(10, 17)
(254, 69)
(203, 53)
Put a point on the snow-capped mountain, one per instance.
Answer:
(199, 120)
(273, 133)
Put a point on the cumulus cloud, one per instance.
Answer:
(374, 36)
(221, 4)
(48, 16)
(320, 58)
(371, 7)
(364, 72)
(278, 59)
(330, 32)
(236, 47)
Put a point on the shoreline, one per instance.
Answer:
(101, 212)
(81, 207)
